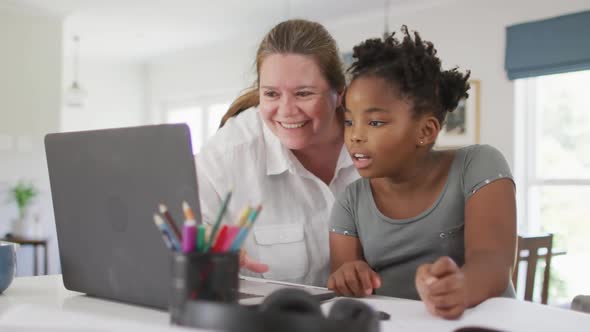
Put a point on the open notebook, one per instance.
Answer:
(502, 314)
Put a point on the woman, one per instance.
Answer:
(281, 145)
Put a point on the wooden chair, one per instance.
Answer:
(528, 250)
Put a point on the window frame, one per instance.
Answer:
(530, 184)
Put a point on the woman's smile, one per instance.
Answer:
(292, 125)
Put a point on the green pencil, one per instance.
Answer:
(217, 222)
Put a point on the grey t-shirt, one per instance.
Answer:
(395, 248)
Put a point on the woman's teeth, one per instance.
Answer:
(292, 125)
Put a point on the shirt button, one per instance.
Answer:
(442, 235)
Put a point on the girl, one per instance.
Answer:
(421, 224)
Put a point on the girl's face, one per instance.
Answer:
(380, 130)
(296, 101)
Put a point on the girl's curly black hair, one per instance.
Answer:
(413, 67)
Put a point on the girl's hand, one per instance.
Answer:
(354, 279)
(441, 287)
(250, 264)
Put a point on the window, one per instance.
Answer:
(216, 112)
(193, 117)
(203, 120)
(553, 173)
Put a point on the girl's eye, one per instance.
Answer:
(376, 123)
(347, 123)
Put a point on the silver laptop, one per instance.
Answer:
(106, 185)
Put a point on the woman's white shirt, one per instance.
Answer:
(291, 232)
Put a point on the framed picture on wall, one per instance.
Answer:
(346, 62)
(461, 126)
(347, 59)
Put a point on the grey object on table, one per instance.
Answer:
(7, 264)
(37, 244)
(581, 303)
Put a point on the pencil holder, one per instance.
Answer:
(203, 276)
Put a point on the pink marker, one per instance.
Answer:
(230, 235)
(189, 229)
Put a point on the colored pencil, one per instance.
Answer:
(241, 237)
(244, 216)
(168, 218)
(169, 239)
(217, 223)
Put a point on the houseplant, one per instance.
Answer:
(23, 194)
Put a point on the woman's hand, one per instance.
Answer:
(354, 278)
(441, 287)
(250, 264)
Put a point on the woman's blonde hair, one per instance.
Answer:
(294, 37)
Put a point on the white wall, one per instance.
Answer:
(220, 70)
(30, 80)
(115, 95)
(468, 33)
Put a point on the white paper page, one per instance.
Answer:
(498, 313)
(406, 315)
(515, 315)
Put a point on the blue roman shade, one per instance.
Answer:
(556, 45)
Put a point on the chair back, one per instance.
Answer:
(531, 249)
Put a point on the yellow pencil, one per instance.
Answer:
(244, 216)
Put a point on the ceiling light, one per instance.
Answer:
(75, 95)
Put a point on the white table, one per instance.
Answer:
(43, 304)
